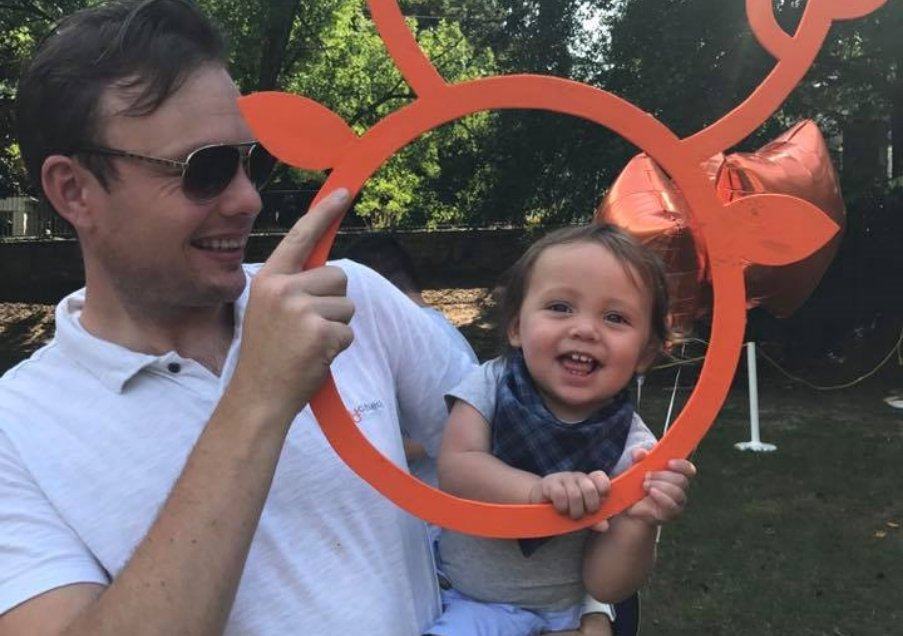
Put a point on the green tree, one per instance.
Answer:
(22, 23)
(686, 61)
(351, 73)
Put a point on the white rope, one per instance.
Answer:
(673, 393)
(658, 531)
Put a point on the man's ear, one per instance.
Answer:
(66, 184)
(514, 333)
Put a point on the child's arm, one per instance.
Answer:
(617, 562)
(467, 469)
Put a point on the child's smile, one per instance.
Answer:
(584, 328)
(578, 363)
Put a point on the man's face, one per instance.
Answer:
(152, 245)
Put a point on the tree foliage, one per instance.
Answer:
(351, 73)
(686, 61)
(22, 24)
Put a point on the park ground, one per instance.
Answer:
(803, 541)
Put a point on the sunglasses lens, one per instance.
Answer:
(210, 170)
(260, 165)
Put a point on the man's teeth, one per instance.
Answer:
(220, 244)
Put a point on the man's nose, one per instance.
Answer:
(241, 196)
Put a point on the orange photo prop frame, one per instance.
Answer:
(766, 229)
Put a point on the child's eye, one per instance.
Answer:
(616, 318)
(559, 307)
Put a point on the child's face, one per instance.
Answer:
(584, 328)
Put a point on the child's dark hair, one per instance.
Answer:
(636, 259)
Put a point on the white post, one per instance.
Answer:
(755, 442)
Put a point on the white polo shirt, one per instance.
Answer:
(93, 436)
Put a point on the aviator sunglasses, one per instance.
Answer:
(209, 170)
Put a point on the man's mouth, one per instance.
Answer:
(220, 244)
(578, 363)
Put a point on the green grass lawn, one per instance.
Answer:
(805, 540)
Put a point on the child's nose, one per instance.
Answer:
(584, 329)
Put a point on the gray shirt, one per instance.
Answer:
(495, 570)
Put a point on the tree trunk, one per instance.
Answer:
(864, 154)
(280, 15)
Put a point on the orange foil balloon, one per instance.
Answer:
(796, 163)
(647, 204)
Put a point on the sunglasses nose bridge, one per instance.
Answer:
(241, 168)
(258, 164)
(244, 158)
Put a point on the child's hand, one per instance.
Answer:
(573, 494)
(666, 491)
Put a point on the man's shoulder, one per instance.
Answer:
(37, 364)
(32, 382)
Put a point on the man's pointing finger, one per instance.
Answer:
(296, 245)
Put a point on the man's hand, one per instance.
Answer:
(666, 491)
(296, 322)
(573, 494)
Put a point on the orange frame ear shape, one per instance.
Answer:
(305, 134)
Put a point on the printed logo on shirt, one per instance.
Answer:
(361, 411)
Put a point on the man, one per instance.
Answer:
(160, 471)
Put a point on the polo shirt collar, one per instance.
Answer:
(112, 364)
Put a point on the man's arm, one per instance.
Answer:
(51, 612)
(183, 576)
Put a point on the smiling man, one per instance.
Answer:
(160, 470)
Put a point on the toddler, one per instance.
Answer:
(583, 310)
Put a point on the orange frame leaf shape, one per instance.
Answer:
(305, 134)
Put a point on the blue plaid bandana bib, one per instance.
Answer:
(526, 435)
